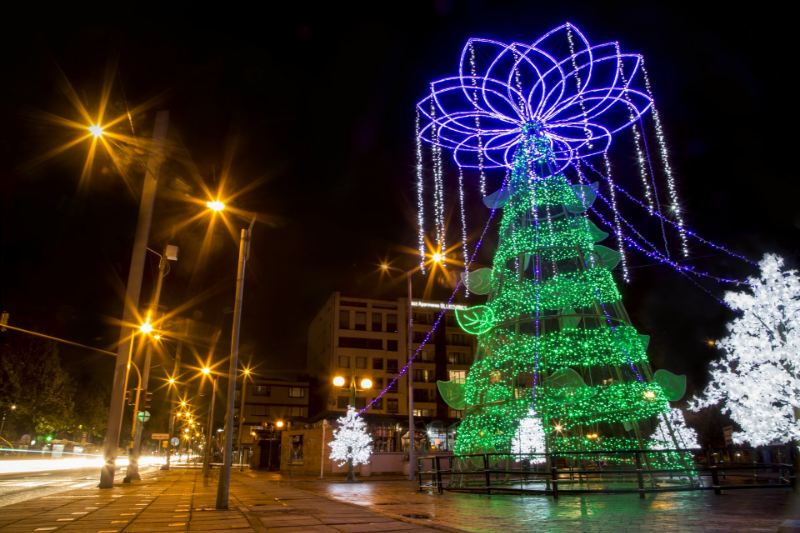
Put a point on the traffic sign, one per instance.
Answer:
(159, 436)
(175, 441)
(144, 416)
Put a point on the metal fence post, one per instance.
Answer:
(554, 475)
(712, 464)
(438, 463)
(639, 476)
(487, 474)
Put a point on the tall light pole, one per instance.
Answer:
(223, 485)
(241, 417)
(366, 383)
(131, 303)
(170, 254)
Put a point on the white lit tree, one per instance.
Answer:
(662, 439)
(350, 440)
(529, 437)
(758, 379)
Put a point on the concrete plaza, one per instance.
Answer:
(182, 500)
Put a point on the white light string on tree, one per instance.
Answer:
(420, 201)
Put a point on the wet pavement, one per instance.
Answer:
(701, 511)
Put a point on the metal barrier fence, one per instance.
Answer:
(612, 471)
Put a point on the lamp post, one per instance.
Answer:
(366, 384)
(170, 254)
(207, 450)
(241, 417)
(131, 302)
(223, 485)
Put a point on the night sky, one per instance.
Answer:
(316, 107)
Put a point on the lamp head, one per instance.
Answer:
(97, 130)
(366, 383)
(338, 381)
(216, 205)
(279, 424)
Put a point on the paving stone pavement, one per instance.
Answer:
(692, 512)
(182, 500)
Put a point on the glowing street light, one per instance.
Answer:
(279, 424)
(366, 383)
(97, 131)
(146, 327)
(338, 381)
(437, 258)
(206, 370)
(216, 205)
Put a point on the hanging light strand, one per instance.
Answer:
(477, 118)
(420, 201)
(675, 208)
(463, 229)
(620, 238)
(438, 186)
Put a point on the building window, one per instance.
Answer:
(450, 320)
(361, 362)
(377, 363)
(422, 318)
(391, 366)
(344, 319)
(353, 304)
(392, 387)
(459, 376)
(495, 377)
(391, 323)
(426, 356)
(419, 336)
(262, 390)
(454, 413)
(424, 395)
(344, 361)
(377, 404)
(364, 344)
(360, 323)
(391, 405)
(377, 322)
(297, 411)
(422, 412)
(361, 402)
(458, 358)
(379, 383)
(423, 375)
(259, 410)
(342, 402)
(457, 339)
(297, 392)
(391, 346)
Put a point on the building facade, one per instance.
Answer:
(369, 339)
(269, 402)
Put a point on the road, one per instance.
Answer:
(18, 487)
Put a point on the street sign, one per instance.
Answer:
(159, 436)
(144, 416)
(727, 432)
(175, 441)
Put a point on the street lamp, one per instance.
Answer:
(132, 292)
(366, 384)
(97, 130)
(216, 205)
(242, 404)
(223, 486)
(3, 423)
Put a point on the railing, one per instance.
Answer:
(612, 471)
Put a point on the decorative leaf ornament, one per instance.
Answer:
(453, 393)
(674, 386)
(499, 198)
(567, 387)
(586, 197)
(475, 320)
(479, 281)
(609, 257)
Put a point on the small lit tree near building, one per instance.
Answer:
(529, 438)
(758, 379)
(351, 444)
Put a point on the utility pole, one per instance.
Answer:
(225, 472)
(170, 254)
(209, 430)
(131, 303)
(411, 432)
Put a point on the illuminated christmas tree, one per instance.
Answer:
(553, 335)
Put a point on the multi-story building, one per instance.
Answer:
(369, 338)
(270, 401)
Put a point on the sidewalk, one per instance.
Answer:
(182, 500)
